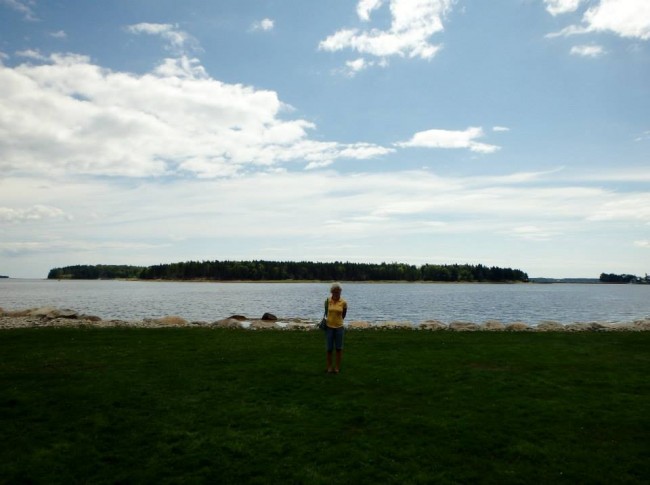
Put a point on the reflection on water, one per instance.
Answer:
(413, 302)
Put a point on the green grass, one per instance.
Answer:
(224, 406)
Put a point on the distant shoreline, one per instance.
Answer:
(325, 282)
(535, 281)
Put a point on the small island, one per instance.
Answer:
(624, 279)
(2, 276)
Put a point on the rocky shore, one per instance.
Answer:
(55, 317)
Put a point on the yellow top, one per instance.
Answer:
(335, 312)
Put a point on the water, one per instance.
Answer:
(412, 302)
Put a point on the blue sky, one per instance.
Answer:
(513, 133)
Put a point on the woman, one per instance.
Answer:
(337, 308)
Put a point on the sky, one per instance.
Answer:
(511, 133)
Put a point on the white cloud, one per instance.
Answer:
(179, 42)
(263, 25)
(533, 233)
(316, 165)
(371, 203)
(626, 18)
(500, 128)
(365, 8)
(450, 139)
(634, 207)
(352, 68)
(148, 221)
(362, 151)
(357, 65)
(556, 7)
(644, 136)
(619, 175)
(21, 6)
(33, 213)
(642, 244)
(71, 116)
(60, 34)
(181, 67)
(149, 28)
(32, 54)
(77, 246)
(567, 31)
(414, 22)
(588, 50)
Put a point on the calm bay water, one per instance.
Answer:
(412, 302)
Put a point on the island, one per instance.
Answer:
(624, 279)
(259, 270)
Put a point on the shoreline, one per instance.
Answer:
(346, 282)
(58, 318)
(324, 282)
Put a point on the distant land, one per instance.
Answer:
(1, 276)
(565, 280)
(293, 271)
(604, 278)
(624, 279)
(316, 271)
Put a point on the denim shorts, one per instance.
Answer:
(334, 337)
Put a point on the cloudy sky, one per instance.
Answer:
(513, 133)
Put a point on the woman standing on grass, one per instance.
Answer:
(337, 308)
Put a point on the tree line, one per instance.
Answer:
(287, 270)
(95, 272)
(623, 278)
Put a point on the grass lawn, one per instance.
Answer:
(233, 406)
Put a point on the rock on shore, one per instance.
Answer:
(56, 317)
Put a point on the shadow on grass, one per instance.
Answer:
(198, 405)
